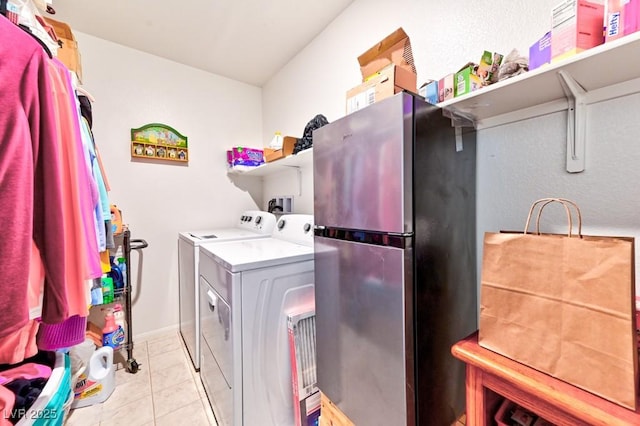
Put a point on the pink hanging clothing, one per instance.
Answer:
(19, 345)
(30, 198)
(76, 198)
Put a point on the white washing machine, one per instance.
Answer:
(247, 288)
(251, 224)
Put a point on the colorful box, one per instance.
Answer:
(429, 91)
(614, 19)
(446, 88)
(576, 25)
(631, 15)
(540, 52)
(466, 81)
(243, 156)
(488, 67)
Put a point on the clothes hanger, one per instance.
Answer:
(79, 89)
(28, 21)
(84, 92)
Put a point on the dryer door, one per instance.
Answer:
(216, 367)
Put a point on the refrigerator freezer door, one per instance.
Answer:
(363, 312)
(362, 168)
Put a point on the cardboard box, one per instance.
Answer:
(576, 26)
(244, 156)
(432, 93)
(288, 143)
(68, 53)
(622, 17)
(386, 82)
(488, 67)
(540, 52)
(446, 88)
(614, 19)
(466, 81)
(631, 15)
(394, 49)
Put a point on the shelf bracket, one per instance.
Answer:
(299, 175)
(458, 121)
(576, 122)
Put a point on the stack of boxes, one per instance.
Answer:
(469, 78)
(387, 68)
(578, 25)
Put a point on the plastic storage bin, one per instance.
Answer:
(49, 408)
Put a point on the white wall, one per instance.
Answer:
(517, 163)
(159, 200)
(443, 39)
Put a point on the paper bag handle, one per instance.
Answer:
(564, 203)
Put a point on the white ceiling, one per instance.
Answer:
(246, 40)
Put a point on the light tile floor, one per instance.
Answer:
(165, 391)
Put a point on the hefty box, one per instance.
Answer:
(382, 84)
(446, 88)
(394, 49)
(288, 143)
(576, 26)
(540, 52)
(621, 18)
(614, 19)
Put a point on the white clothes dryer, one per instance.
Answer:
(250, 224)
(247, 288)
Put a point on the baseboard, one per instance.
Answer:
(155, 334)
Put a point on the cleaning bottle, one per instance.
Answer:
(122, 264)
(112, 335)
(276, 142)
(97, 381)
(118, 315)
(107, 290)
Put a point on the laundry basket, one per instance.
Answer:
(48, 409)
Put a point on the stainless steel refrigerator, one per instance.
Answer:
(395, 262)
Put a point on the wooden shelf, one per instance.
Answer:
(605, 72)
(550, 398)
(302, 159)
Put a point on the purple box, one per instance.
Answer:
(540, 52)
(243, 156)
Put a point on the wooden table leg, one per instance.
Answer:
(482, 402)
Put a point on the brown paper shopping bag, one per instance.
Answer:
(563, 304)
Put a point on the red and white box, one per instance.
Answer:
(576, 25)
